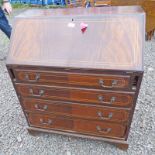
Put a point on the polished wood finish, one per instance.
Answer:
(147, 5)
(149, 8)
(76, 110)
(82, 135)
(79, 95)
(79, 83)
(73, 79)
(80, 126)
(99, 47)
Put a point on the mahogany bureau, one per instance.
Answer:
(78, 71)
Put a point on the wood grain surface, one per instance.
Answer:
(85, 80)
(122, 99)
(81, 83)
(147, 5)
(62, 123)
(106, 44)
(83, 111)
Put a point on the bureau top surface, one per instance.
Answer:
(114, 38)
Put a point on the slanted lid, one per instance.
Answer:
(113, 38)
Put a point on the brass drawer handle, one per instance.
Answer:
(41, 93)
(37, 107)
(101, 99)
(113, 83)
(100, 114)
(37, 77)
(104, 131)
(49, 122)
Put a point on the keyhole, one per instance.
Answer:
(72, 19)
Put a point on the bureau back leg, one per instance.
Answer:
(123, 146)
(32, 132)
(150, 35)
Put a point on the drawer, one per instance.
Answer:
(76, 125)
(73, 79)
(77, 95)
(76, 110)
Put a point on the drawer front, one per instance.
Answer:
(76, 110)
(77, 95)
(73, 79)
(56, 122)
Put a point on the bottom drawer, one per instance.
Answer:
(56, 122)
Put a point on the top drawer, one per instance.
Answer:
(99, 81)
